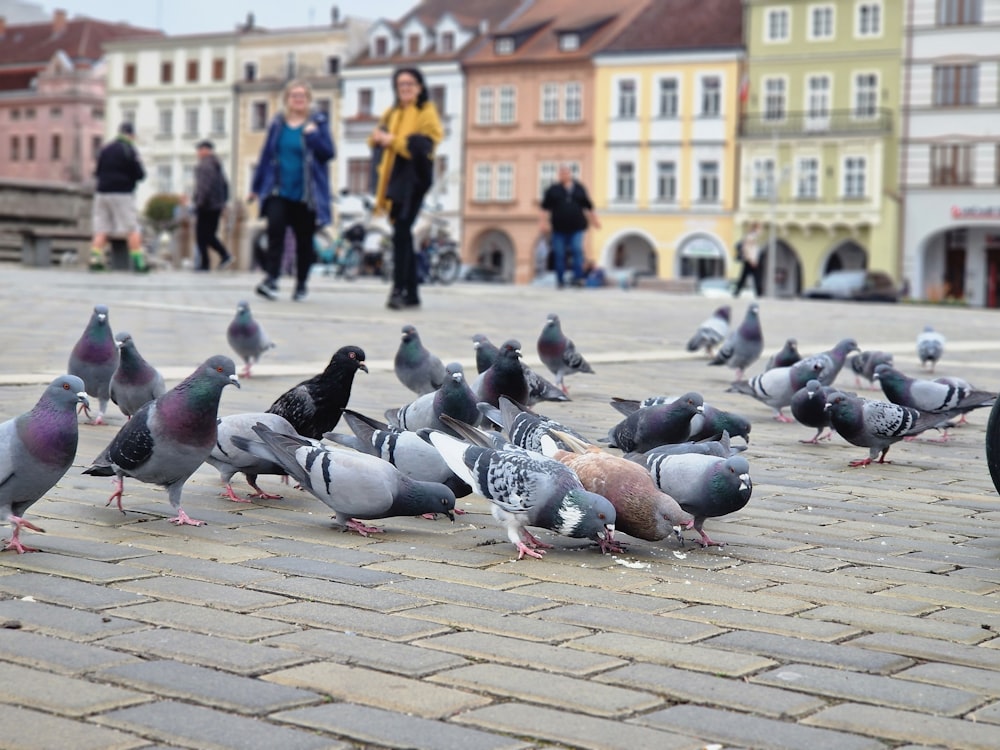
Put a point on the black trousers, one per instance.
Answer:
(206, 228)
(281, 214)
(751, 271)
(404, 259)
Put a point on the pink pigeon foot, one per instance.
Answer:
(119, 484)
(356, 525)
(15, 538)
(259, 494)
(230, 494)
(523, 549)
(610, 545)
(863, 462)
(779, 417)
(534, 541)
(706, 541)
(182, 519)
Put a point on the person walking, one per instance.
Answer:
(566, 214)
(748, 251)
(408, 133)
(211, 192)
(292, 180)
(119, 170)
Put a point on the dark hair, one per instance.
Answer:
(422, 96)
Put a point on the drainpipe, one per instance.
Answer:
(904, 114)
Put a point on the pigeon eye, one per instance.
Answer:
(601, 516)
(218, 369)
(351, 355)
(65, 386)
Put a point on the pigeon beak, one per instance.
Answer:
(700, 410)
(451, 516)
(235, 381)
(610, 529)
(745, 482)
(81, 398)
(102, 317)
(362, 366)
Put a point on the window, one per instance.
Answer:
(359, 175)
(550, 102)
(625, 182)
(291, 66)
(818, 98)
(666, 181)
(166, 122)
(164, 178)
(166, 72)
(439, 95)
(56, 147)
(865, 94)
(129, 74)
(15, 148)
(505, 182)
(258, 115)
(447, 42)
(776, 25)
(482, 185)
(763, 178)
(323, 105)
(507, 105)
(956, 85)
(381, 47)
(29, 113)
(951, 164)
(504, 46)
(332, 65)
(774, 99)
(547, 172)
(219, 69)
(97, 113)
(15, 114)
(808, 178)
(854, 177)
(708, 181)
(218, 120)
(959, 12)
(869, 19)
(668, 98)
(29, 148)
(626, 100)
(191, 121)
(413, 44)
(573, 102)
(711, 96)
(569, 42)
(192, 71)
(365, 99)
(821, 22)
(55, 112)
(484, 105)
(249, 71)
(128, 115)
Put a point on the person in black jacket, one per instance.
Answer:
(118, 171)
(210, 196)
(566, 214)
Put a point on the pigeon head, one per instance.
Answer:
(425, 497)
(724, 312)
(884, 371)
(845, 347)
(100, 315)
(49, 430)
(455, 371)
(585, 515)
(410, 334)
(511, 348)
(735, 470)
(838, 402)
(124, 339)
(218, 372)
(349, 358)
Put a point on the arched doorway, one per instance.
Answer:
(493, 256)
(788, 274)
(631, 252)
(846, 256)
(701, 256)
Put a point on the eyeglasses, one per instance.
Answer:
(406, 84)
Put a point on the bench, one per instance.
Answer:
(40, 248)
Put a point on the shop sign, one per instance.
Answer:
(988, 213)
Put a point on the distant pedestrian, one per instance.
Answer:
(566, 214)
(748, 251)
(292, 180)
(211, 193)
(119, 170)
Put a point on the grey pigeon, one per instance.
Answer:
(539, 389)
(247, 337)
(947, 399)
(486, 352)
(314, 406)
(709, 424)
(168, 439)
(930, 347)
(712, 331)
(863, 365)
(722, 448)
(230, 459)
(528, 489)
(36, 449)
(94, 360)
(809, 408)
(526, 429)
(559, 353)
(415, 366)
(777, 386)
(504, 377)
(454, 398)
(786, 356)
(356, 486)
(704, 486)
(651, 426)
(956, 383)
(744, 346)
(875, 425)
(135, 381)
(832, 361)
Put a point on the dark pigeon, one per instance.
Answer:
(744, 346)
(722, 448)
(504, 377)
(415, 366)
(247, 338)
(94, 360)
(559, 353)
(709, 424)
(534, 432)
(863, 365)
(832, 361)
(875, 425)
(135, 381)
(454, 398)
(229, 459)
(539, 389)
(787, 356)
(712, 331)
(651, 426)
(809, 408)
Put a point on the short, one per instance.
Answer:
(115, 214)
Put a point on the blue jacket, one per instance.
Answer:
(319, 149)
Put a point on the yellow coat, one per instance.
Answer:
(403, 122)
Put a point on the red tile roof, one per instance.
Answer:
(82, 39)
(682, 24)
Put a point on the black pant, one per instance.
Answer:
(749, 270)
(404, 260)
(206, 227)
(281, 214)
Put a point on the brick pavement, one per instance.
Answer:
(851, 608)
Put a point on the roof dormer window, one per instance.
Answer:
(569, 42)
(381, 46)
(504, 45)
(413, 44)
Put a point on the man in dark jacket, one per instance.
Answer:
(210, 196)
(566, 214)
(118, 171)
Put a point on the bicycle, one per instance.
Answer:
(438, 259)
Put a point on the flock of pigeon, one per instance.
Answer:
(676, 465)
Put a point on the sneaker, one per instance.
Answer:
(264, 289)
(300, 295)
(396, 301)
(225, 263)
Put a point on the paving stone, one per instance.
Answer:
(326, 552)
(974, 618)
(558, 691)
(372, 726)
(790, 574)
(742, 730)
(851, 598)
(785, 648)
(948, 597)
(353, 620)
(331, 592)
(330, 571)
(521, 653)
(61, 694)
(210, 687)
(651, 626)
(906, 726)
(374, 653)
(24, 728)
(720, 594)
(566, 593)
(463, 557)
(887, 621)
(930, 649)
(213, 595)
(682, 655)
(421, 590)
(63, 622)
(739, 619)
(201, 727)
(445, 572)
(579, 574)
(982, 680)
(528, 627)
(378, 689)
(67, 592)
(193, 546)
(86, 549)
(201, 620)
(867, 557)
(800, 557)
(573, 729)
(203, 570)
(202, 650)
(81, 569)
(990, 713)
(692, 687)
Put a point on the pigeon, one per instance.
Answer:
(651, 426)
(947, 399)
(832, 361)
(134, 381)
(930, 347)
(558, 353)
(744, 346)
(539, 389)
(36, 449)
(314, 406)
(875, 425)
(787, 356)
(356, 486)
(503, 378)
(94, 360)
(417, 368)
(454, 398)
(247, 337)
(809, 408)
(704, 486)
(168, 439)
(712, 331)
(529, 489)
(864, 363)
(776, 387)
(722, 448)
(707, 425)
(956, 383)
(531, 431)
(230, 460)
